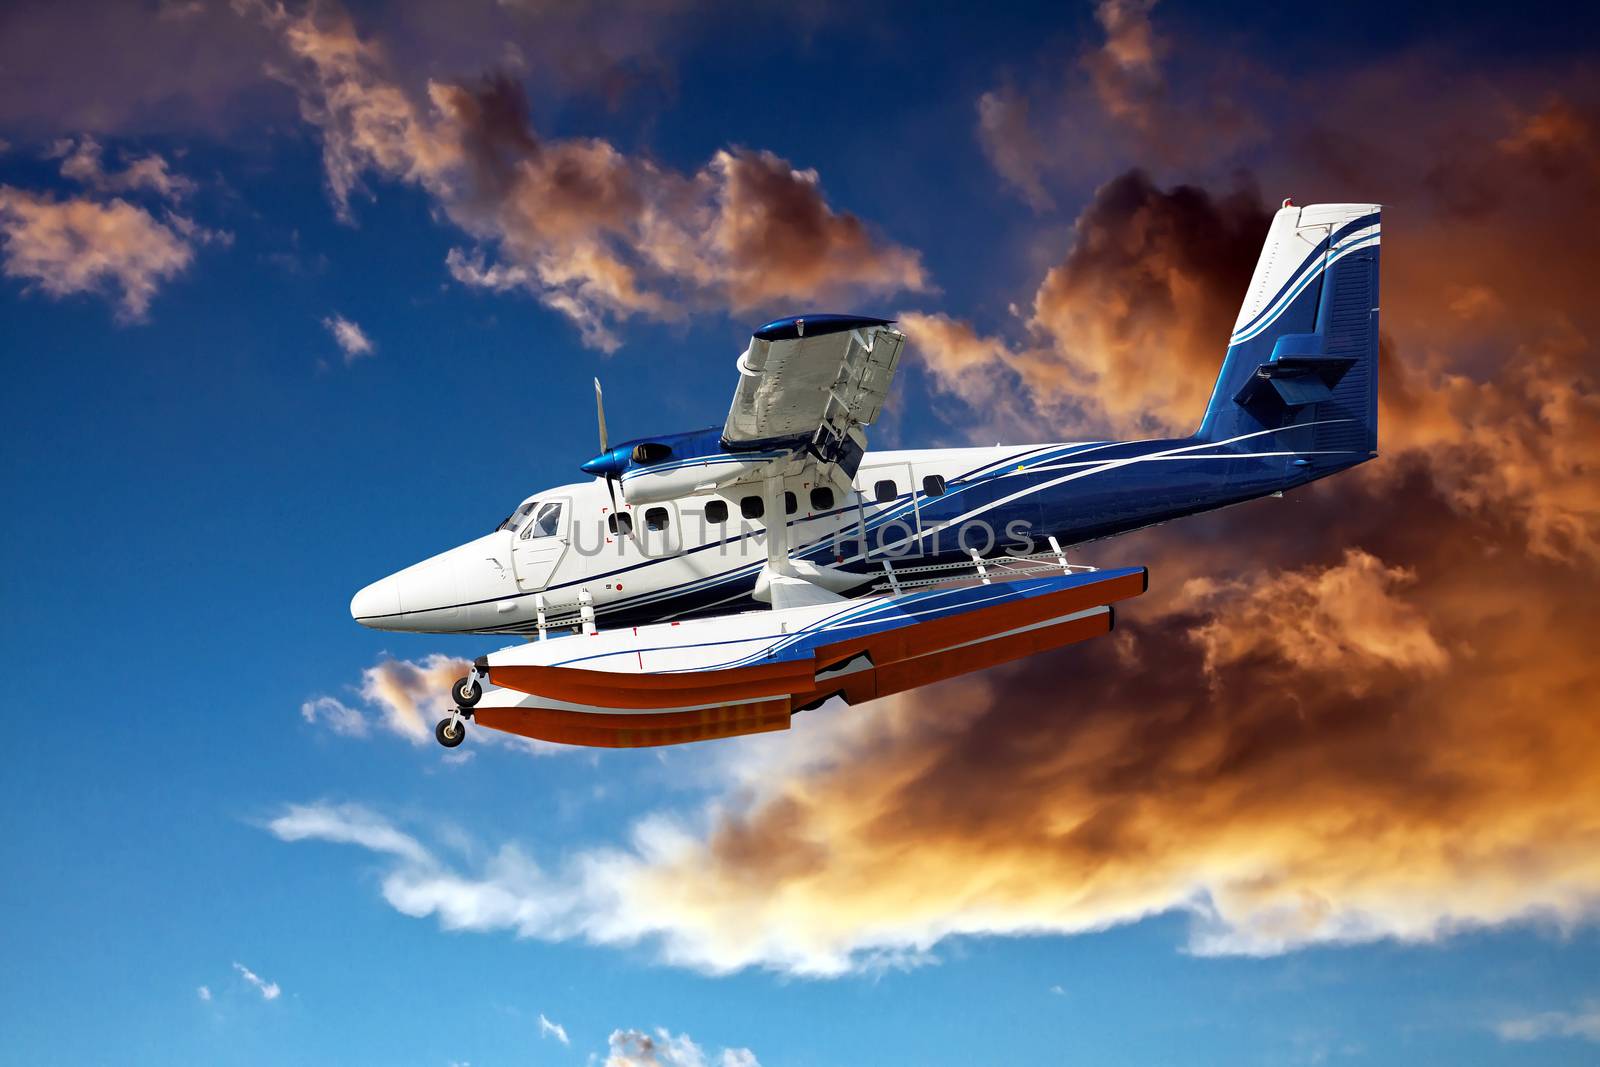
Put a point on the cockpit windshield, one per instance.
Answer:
(516, 518)
(545, 524)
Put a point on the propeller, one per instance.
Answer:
(605, 442)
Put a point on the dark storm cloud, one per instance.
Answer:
(182, 66)
(1134, 311)
(1132, 95)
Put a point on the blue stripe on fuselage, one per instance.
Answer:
(1113, 488)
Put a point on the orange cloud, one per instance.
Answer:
(1127, 332)
(1325, 783)
(1134, 313)
(1557, 139)
(80, 245)
(82, 162)
(968, 365)
(1340, 621)
(594, 233)
(776, 237)
(1124, 70)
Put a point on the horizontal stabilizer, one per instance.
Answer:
(1294, 380)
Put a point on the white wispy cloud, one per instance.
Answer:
(550, 1029)
(351, 338)
(1584, 1023)
(607, 896)
(335, 715)
(348, 824)
(203, 992)
(268, 990)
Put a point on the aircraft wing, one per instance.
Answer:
(813, 383)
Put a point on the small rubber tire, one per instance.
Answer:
(466, 692)
(450, 732)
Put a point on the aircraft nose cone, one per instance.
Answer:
(376, 600)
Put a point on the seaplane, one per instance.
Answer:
(713, 583)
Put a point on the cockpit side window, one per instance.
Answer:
(545, 524)
(515, 519)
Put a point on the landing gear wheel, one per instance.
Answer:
(450, 732)
(466, 691)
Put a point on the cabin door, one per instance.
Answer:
(541, 542)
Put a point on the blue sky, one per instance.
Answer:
(197, 487)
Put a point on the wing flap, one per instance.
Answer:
(801, 386)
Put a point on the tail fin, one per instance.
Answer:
(1304, 352)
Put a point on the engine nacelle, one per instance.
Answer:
(670, 480)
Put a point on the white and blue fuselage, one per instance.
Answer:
(944, 504)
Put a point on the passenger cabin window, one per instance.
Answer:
(885, 491)
(515, 518)
(620, 523)
(790, 504)
(933, 485)
(655, 519)
(716, 511)
(545, 524)
(751, 507)
(821, 498)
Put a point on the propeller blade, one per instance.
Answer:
(605, 441)
(600, 410)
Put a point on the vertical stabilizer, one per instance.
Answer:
(1303, 357)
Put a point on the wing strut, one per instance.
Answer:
(783, 582)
